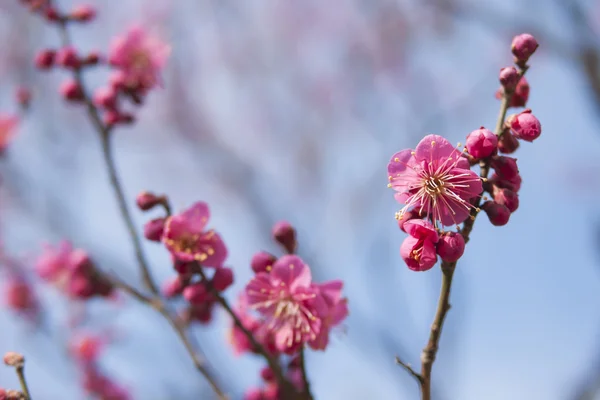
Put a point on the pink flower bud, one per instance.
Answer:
(451, 246)
(67, 57)
(92, 58)
(497, 213)
(44, 59)
(523, 46)
(507, 198)
(153, 229)
(285, 235)
(147, 201)
(508, 143)
(51, 14)
(521, 94)
(513, 184)
(105, 97)
(407, 216)
(196, 293)
(526, 126)
(71, 90)
(222, 279)
(267, 374)
(13, 359)
(506, 167)
(173, 287)
(111, 117)
(481, 143)
(509, 78)
(83, 13)
(262, 262)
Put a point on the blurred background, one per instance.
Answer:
(282, 109)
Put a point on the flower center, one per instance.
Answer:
(140, 60)
(434, 186)
(186, 243)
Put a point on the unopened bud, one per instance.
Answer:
(153, 229)
(525, 126)
(508, 143)
(481, 143)
(506, 167)
(451, 246)
(147, 201)
(222, 279)
(498, 214)
(262, 262)
(285, 235)
(523, 46)
(13, 359)
(509, 78)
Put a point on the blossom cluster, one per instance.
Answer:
(137, 57)
(438, 188)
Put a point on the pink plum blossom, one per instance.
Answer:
(435, 179)
(54, 262)
(289, 303)
(185, 237)
(140, 56)
(335, 312)
(418, 250)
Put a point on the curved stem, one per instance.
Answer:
(21, 374)
(307, 391)
(155, 301)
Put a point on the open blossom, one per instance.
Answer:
(185, 237)
(8, 125)
(335, 312)
(418, 250)
(434, 179)
(288, 301)
(140, 56)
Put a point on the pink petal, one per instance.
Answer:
(291, 271)
(197, 216)
(435, 149)
(408, 245)
(259, 289)
(404, 171)
(211, 245)
(428, 256)
(421, 229)
(331, 291)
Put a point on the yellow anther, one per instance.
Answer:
(396, 159)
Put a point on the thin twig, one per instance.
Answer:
(155, 301)
(21, 374)
(307, 391)
(410, 370)
(430, 351)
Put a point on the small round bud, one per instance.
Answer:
(285, 235)
(92, 58)
(44, 59)
(508, 143)
(147, 201)
(521, 94)
(173, 287)
(506, 167)
(523, 46)
(51, 14)
(153, 229)
(509, 78)
(83, 13)
(222, 279)
(67, 57)
(513, 183)
(267, 374)
(402, 218)
(526, 126)
(105, 97)
(481, 143)
(507, 198)
(71, 90)
(196, 293)
(13, 359)
(451, 246)
(498, 214)
(262, 262)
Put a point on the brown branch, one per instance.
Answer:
(306, 389)
(430, 351)
(21, 374)
(155, 301)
